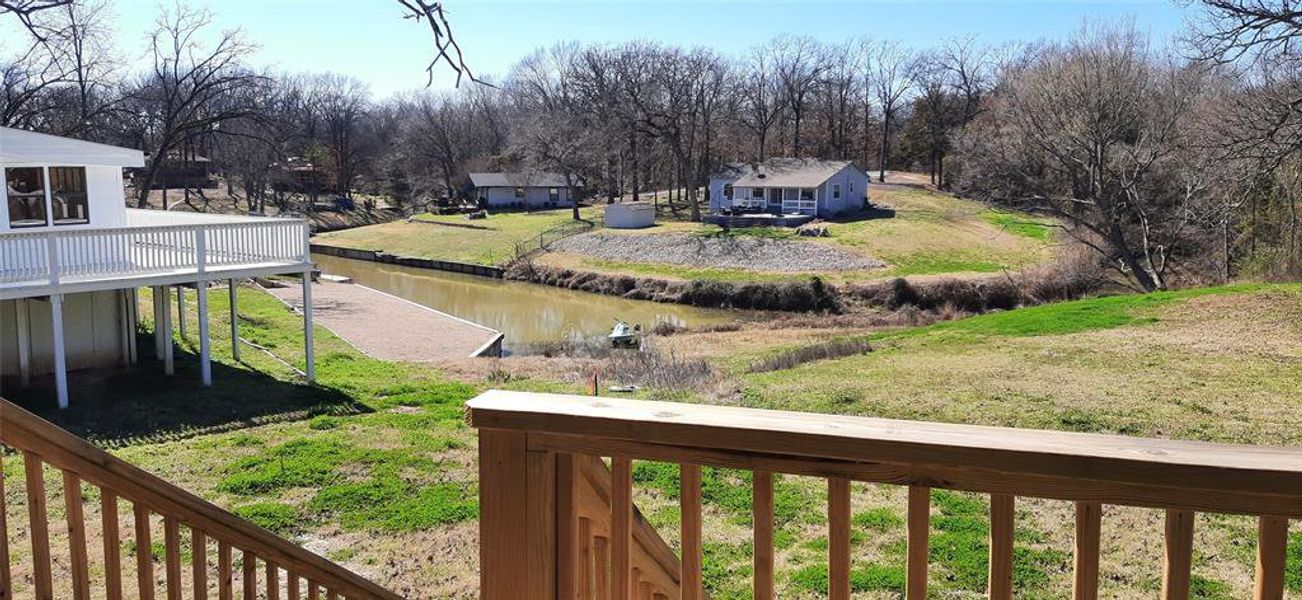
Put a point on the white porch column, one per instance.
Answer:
(309, 351)
(205, 345)
(180, 310)
(235, 320)
(133, 324)
(23, 327)
(169, 362)
(124, 324)
(60, 354)
(158, 321)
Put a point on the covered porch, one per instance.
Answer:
(168, 253)
(773, 200)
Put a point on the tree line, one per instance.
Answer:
(1173, 162)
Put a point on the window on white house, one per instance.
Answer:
(727, 191)
(836, 190)
(25, 196)
(806, 193)
(519, 192)
(554, 194)
(757, 193)
(68, 195)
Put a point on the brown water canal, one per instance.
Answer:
(528, 313)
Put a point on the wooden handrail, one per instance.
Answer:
(43, 442)
(1090, 469)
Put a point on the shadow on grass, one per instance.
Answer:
(140, 404)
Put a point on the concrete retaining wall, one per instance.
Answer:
(409, 261)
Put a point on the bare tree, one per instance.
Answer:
(190, 90)
(760, 104)
(799, 63)
(27, 10)
(890, 73)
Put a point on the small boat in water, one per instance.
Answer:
(623, 336)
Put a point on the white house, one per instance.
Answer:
(788, 186)
(524, 190)
(72, 257)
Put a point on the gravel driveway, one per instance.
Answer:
(741, 252)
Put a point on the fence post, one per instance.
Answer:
(517, 519)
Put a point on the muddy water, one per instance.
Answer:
(528, 313)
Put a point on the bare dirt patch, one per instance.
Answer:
(721, 252)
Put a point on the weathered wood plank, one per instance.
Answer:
(540, 533)
(1272, 549)
(503, 515)
(38, 526)
(1142, 472)
(75, 516)
(112, 537)
(225, 574)
(1178, 564)
(601, 548)
(1089, 517)
(690, 509)
(144, 552)
(1002, 528)
(621, 528)
(199, 564)
(6, 574)
(918, 535)
(838, 538)
(172, 556)
(249, 567)
(762, 519)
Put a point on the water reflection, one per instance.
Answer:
(527, 313)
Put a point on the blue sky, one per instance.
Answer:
(369, 40)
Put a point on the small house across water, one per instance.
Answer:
(524, 190)
(789, 186)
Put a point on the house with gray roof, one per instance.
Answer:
(524, 190)
(789, 186)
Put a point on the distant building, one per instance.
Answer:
(630, 215)
(523, 190)
(301, 175)
(183, 169)
(787, 186)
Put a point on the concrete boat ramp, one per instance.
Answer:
(391, 328)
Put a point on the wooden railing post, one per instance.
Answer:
(517, 519)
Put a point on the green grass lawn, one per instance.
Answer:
(1216, 364)
(374, 466)
(489, 241)
(930, 234)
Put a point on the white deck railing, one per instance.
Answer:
(154, 244)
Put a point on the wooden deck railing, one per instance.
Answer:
(286, 570)
(529, 548)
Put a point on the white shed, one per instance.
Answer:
(630, 215)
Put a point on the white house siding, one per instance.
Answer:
(106, 203)
(92, 326)
(534, 197)
(847, 177)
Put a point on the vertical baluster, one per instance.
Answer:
(291, 585)
(621, 527)
(762, 511)
(76, 519)
(144, 552)
(838, 538)
(1179, 554)
(250, 569)
(584, 587)
(199, 563)
(313, 591)
(172, 557)
(1272, 549)
(273, 581)
(919, 529)
(6, 576)
(224, 575)
(601, 548)
(39, 526)
(690, 506)
(1002, 512)
(1089, 517)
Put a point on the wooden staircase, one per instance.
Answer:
(248, 561)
